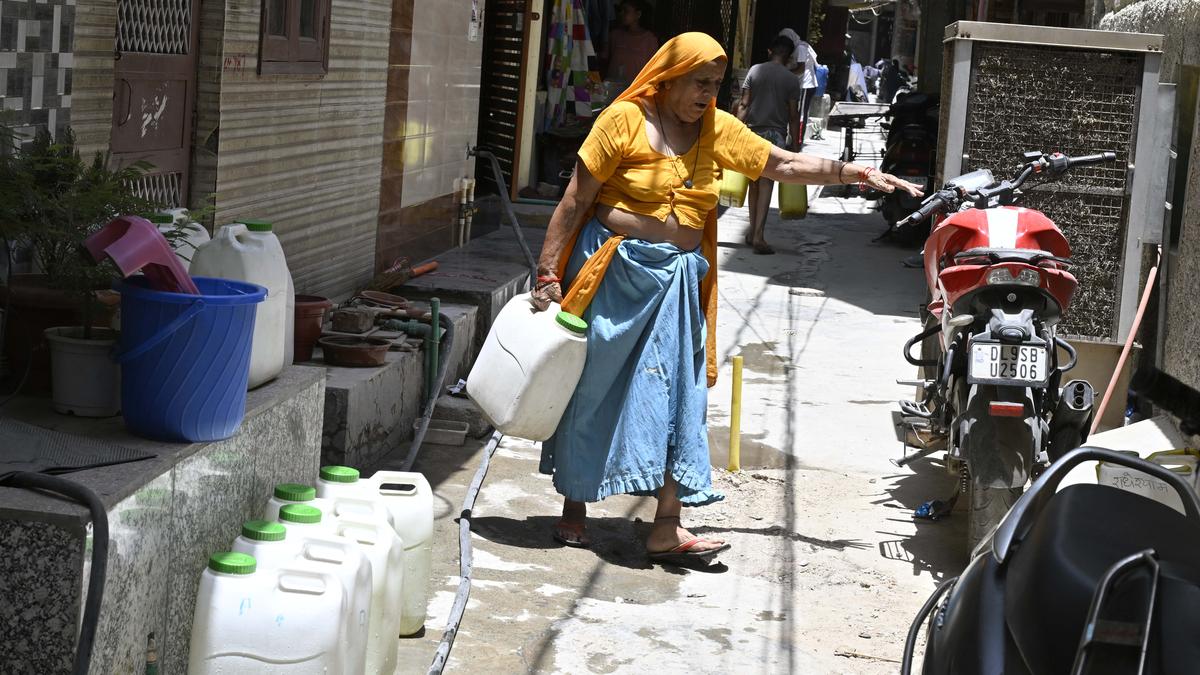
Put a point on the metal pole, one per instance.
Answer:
(432, 342)
(735, 418)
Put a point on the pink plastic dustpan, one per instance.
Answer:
(135, 245)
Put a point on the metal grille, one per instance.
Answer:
(154, 26)
(1026, 97)
(161, 188)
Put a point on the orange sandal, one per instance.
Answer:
(572, 534)
(684, 554)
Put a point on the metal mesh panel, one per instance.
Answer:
(154, 26)
(1026, 97)
(161, 188)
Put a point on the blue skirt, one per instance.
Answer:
(641, 404)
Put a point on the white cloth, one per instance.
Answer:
(804, 54)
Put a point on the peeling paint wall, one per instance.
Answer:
(1179, 21)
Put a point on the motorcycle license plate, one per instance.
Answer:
(995, 363)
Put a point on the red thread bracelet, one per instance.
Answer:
(548, 279)
(865, 174)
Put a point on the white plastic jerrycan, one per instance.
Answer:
(244, 254)
(385, 551)
(191, 237)
(528, 368)
(367, 527)
(409, 503)
(344, 505)
(312, 541)
(250, 619)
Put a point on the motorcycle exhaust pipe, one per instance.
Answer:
(1072, 418)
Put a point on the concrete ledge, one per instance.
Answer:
(369, 411)
(486, 273)
(166, 516)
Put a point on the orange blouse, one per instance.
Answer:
(641, 180)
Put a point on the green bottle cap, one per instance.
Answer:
(571, 322)
(161, 218)
(339, 474)
(232, 563)
(295, 492)
(263, 530)
(300, 513)
(257, 225)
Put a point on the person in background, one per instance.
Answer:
(630, 45)
(770, 107)
(856, 84)
(890, 81)
(634, 239)
(803, 62)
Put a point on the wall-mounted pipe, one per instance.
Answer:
(498, 177)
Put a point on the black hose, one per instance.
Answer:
(99, 573)
(439, 380)
(465, 560)
(498, 177)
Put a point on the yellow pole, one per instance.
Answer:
(735, 418)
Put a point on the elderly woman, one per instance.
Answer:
(634, 242)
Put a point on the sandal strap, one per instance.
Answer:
(658, 518)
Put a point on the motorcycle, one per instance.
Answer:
(1089, 580)
(999, 280)
(910, 150)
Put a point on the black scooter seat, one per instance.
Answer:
(1053, 574)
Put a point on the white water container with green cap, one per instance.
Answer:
(528, 368)
(309, 542)
(251, 618)
(252, 253)
(367, 523)
(408, 500)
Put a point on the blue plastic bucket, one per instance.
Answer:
(185, 359)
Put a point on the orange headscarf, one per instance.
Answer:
(677, 57)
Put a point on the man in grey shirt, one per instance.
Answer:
(770, 107)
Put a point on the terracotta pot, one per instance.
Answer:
(36, 306)
(87, 382)
(310, 317)
(355, 352)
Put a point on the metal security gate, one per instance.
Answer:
(155, 90)
(504, 46)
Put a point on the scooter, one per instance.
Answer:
(991, 396)
(1089, 580)
(911, 147)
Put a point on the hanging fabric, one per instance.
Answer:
(569, 74)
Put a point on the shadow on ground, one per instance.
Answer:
(938, 547)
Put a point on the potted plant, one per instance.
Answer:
(52, 200)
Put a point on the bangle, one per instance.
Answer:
(841, 168)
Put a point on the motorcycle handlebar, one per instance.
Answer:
(935, 202)
(1098, 158)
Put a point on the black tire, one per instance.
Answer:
(988, 506)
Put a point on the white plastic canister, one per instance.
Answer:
(254, 255)
(528, 368)
(311, 541)
(385, 551)
(409, 501)
(249, 620)
(193, 234)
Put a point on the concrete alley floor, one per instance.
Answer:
(827, 567)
